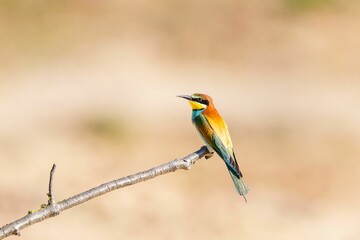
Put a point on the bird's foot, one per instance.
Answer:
(209, 155)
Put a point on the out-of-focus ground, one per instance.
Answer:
(91, 86)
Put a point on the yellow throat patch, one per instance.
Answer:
(196, 105)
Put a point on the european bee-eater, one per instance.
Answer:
(214, 131)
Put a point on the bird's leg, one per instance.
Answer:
(209, 155)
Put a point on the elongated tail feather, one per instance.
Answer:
(239, 185)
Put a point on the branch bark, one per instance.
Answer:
(53, 209)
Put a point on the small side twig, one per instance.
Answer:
(51, 201)
(17, 232)
(52, 208)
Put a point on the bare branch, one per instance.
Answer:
(52, 209)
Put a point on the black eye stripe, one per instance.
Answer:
(202, 101)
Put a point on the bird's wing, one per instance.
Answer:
(219, 126)
(215, 138)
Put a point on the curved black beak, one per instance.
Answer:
(188, 97)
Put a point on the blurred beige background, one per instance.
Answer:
(91, 86)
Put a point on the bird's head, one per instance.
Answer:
(198, 101)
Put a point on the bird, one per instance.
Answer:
(214, 132)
